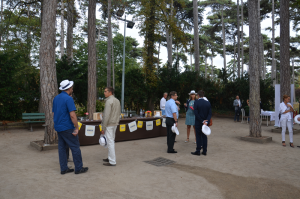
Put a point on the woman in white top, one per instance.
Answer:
(286, 119)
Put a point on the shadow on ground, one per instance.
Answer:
(232, 186)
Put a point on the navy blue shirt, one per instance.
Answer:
(63, 104)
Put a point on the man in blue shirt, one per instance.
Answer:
(172, 118)
(66, 125)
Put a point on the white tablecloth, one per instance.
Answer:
(269, 113)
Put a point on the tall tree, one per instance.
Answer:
(285, 76)
(62, 29)
(48, 80)
(196, 35)
(1, 22)
(242, 35)
(223, 35)
(70, 19)
(273, 69)
(238, 38)
(109, 43)
(169, 38)
(254, 67)
(92, 61)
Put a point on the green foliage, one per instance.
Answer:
(19, 93)
(100, 106)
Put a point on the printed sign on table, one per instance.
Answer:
(122, 127)
(140, 124)
(164, 123)
(158, 122)
(79, 125)
(149, 125)
(100, 127)
(89, 130)
(132, 126)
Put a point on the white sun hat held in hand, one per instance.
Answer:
(206, 130)
(102, 141)
(175, 129)
(296, 119)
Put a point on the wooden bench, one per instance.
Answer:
(33, 118)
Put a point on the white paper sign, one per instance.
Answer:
(149, 125)
(89, 130)
(164, 123)
(132, 126)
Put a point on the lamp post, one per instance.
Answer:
(130, 24)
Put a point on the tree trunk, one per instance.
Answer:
(205, 66)
(254, 67)
(223, 35)
(234, 61)
(260, 43)
(212, 63)
(92, 90)
(273, 70)
(1, 22)
(285, 77)
(70, 16)
(48, 80)
(169, 47)
(158, 54)
(293, 75)
(191, 57)
(238, 39)
(62, 29)
(109, 38)
(242, 36)
(196, 35)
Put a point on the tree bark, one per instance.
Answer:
(92, 81)
(212, 63)
(242, 36)
(273, 72)
(62, 30)
(234, 61)
(260, 43)
(109, 38)
(223, 35)
(169, 47)
(70, 16)
(1, 22)
(48, 80)
(158, 54)
(285, 77)
(238, 39)
(196, 35)
(254, 67)
(113, 62)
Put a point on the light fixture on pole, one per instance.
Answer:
(130, 24)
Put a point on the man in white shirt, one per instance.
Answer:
(163, 103)
(237, 108)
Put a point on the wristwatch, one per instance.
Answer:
(176, 121)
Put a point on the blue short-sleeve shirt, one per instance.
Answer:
(171, 108)
(63, 104)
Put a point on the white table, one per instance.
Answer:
(266, 115)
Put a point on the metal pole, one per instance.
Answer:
(123, 72)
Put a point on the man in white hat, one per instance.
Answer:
(66, 125)
(202, 110)
(110, 122)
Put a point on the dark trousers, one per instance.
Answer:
(67, 138)
(237, 115)
(201, 139)
(68, 152)
(170, 135)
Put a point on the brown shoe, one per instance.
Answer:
(108, 164)
(283, 143)
(105, 160)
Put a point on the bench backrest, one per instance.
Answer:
(33, 116)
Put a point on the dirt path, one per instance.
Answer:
(232, 168)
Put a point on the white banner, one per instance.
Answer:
(149, 125)
(89, 130)
(164, 123)
(132, 126)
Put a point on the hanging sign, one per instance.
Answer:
(140, 124)
(149, 125)
(122, 127)
(79, 125)
(132, 126)
(89, 130)
(158, 122)
(100, 128)
(164, 123)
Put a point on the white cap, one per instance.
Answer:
(66, 84)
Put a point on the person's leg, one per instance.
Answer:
(170, 123)
(62, 152)
(188, 130)
(290, 128)
(235, 114)
(204, 141)
(195, 134)
(283, 126)
(74, 145)
(198, 138)
(238, 115)
(110, 134)
(68, 152)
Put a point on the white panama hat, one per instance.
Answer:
(102, 141)
(175, 129)
(296, 119)
(192, 92)
(65, 84)
(206, 130)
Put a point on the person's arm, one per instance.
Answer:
(208, 117)
(283, 109)
(75, 122)
(174, 110)
(196, 111)
(107, 111)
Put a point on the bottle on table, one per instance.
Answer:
(141, 113)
